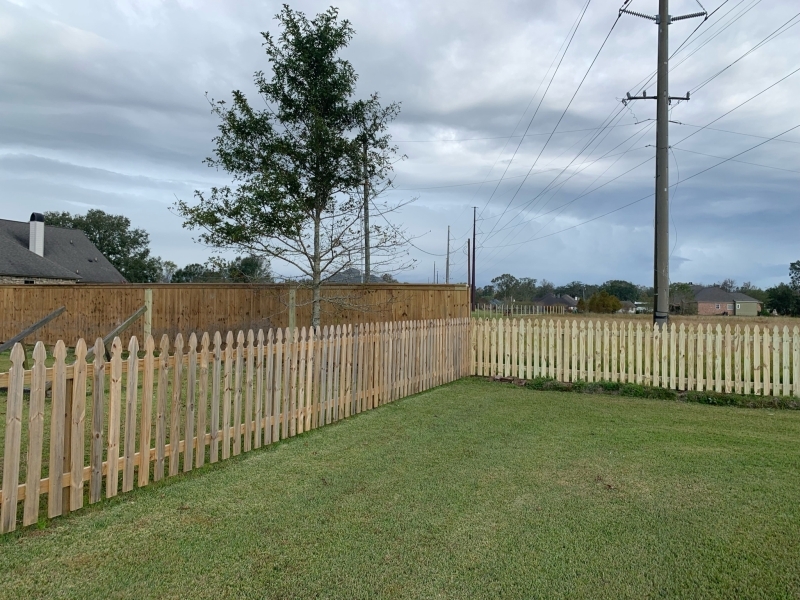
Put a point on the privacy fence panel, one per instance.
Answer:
(74, 433)
(731, 359)
(94, 310)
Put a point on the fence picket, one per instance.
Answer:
(145, 425)
(114, 416)
(58, 411)
(718, 359)
(131, 402)
(35, 434)
(227, 397)
(191, 392)
(796, 360)
(747, 372)
(269, 372)
(737, 360)
(216, 384)
(690, 360)
(757, 366)
(248, 393)
(202, 402)
(236, 428)
(766, 370)
(673, 355)
(98, 408)
(13, 441)
(259, 391)
(175, 415)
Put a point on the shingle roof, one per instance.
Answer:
(715, 294)
(68, 254)
(551, 300)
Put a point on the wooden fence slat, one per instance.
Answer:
(786, 391)
(690, 360)
(747, 373)
(606, 346)
(277, 389)
(236, 428)
(98, 421)
(13, 441)
(796, 360)
(78, 426)
(301, 383)
(776, 361)
(202, 402)
(147, 411)
(248, 393)
(35, 434)
(737, 360)
(259, 392)
(191, 393)
(227, 397)
(161, 408)
(131, 401)
(114, 417)
(757, 387)
(57, 425)
(216, 392)
(614, 351)
(175, 415)
(766, 370)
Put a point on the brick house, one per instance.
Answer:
(716, 301)
(34, 253)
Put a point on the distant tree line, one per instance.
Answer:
(784, 298)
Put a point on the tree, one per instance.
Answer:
(794, 275)
(193, 273)
(783, 299)
(623, 290)
(297, 164)
(729, 285)
(168, 269)
(127, 248)
(681, 297)
(505, 285)
(603, 302)
(577, 289)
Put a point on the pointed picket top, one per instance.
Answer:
(278, 336)
(164, 346)
(229, 341)
(747, 329)
(338, 331)
(18, 354)
(260, 337)
(116, 348)
(39, 354)
(325, 332)
(775, 330)
(295, 334)
(178, 343)
(270, 335)
(149, 344)
(303, 335)
(755, 330)
(80, 351)
(719, 329)
(250, 338)
(727, 329)
(796, 330)
(133, 348)
(192, 344)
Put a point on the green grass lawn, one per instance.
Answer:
(472, 490)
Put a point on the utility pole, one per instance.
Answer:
(663, 100)
(447, 262)
(366, 213)
(469, 261)
(474, 245)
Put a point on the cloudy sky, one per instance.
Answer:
(103, 106)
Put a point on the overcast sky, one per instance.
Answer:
(103, 106)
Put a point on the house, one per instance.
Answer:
(551, 300)
(33, 253)
(628, 307)
(716, 301)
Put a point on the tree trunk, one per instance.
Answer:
(316, 275)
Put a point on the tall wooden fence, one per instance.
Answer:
(94, 310)
(151, 412)
(738, 359)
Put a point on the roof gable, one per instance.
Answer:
(68, 254)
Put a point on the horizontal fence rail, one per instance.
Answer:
(739, 359)
(154, 411)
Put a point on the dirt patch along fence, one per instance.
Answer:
(93, 311)
(150, 413)
(732, 359)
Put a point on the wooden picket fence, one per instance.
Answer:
(737, 359)
(123, 422)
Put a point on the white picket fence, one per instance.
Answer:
(737, 359)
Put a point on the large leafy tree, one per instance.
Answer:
(783, 299)
(794, 275)
(126, 247)
(624, 290)
(297, 163)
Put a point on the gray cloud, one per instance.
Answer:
(104, 106)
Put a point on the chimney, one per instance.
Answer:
(36, 237)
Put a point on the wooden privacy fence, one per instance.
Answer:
(737, 359)
(153, 412)
(93, 310)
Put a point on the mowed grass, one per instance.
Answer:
(471, 490)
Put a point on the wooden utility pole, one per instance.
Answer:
(663, 100)
(366, 212)
(447, 262)
(474, 245)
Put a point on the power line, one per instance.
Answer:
(650, 195)
(541, 100)
(580, 85)
(744, 162)
(502, 137)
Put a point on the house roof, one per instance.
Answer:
(68, 254)
(552, 300)
(715, 294)
(569, 300)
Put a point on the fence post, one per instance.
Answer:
(148, 313)
(292, 309)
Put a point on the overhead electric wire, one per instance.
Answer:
(580, 85)
(541, 100)
(649, 196)
(500, 137)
